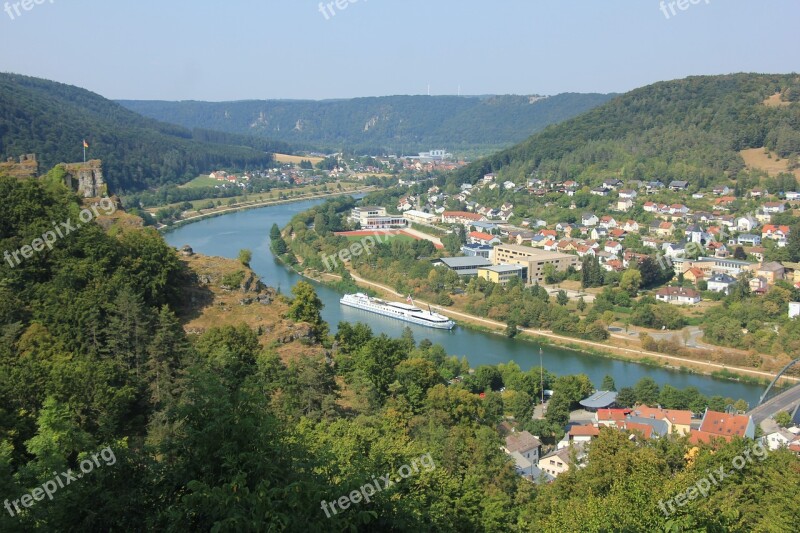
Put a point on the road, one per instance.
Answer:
(785, 401)
(571, 340)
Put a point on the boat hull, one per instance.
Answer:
(377, 309)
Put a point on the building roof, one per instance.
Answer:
(725, 424)
(482, 236)
(616, 415)
(774, 266)
(677, 292)
(660, 427)
(644, 429)
(675, 416)
(722, 278)
(521, 441)
(503, 269)
(462, 262)
(584, 431)
(600, 400)
(462, 214)
(697, 436)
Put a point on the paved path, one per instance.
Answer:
(265, 203)
(581, 342)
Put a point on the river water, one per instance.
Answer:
(227, 234)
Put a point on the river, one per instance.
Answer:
(227, 234)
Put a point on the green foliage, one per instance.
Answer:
(407, 123)
(783, 419)
(137, 152)
(245, 256)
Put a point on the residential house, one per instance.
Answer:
(559, 461)
(662, 229)
(728, 425)
(579, 435)
(746, 223)
(612, 183)
(613, 247)
(678, 296)
(624, 204)
(631, 226)
(748, 239)
(653, 186)
(678, 209)
(610, 417)
(678, 421)
(778, 234)
(773, 207)
(721, 283)
(721, 190)
(461, 217)
(793, 196)
(477, 237)
(600, 191)
(679, 185)
(758, 285)
(589, 219)
(781, 439)
(525, 444)
(598, 233)
(772, 271)
(628, 194)
(694, 275)
(608, 222)
(794, 309)
(650, 242)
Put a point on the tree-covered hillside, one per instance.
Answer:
(689, 129)
(52, 119)
(393, 124)
(148, 428)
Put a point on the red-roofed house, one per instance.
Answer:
(677, 421)
(610, 417)
(726, 425)
(478, 237)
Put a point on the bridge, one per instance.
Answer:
(788, 400)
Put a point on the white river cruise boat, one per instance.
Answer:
(401, 311)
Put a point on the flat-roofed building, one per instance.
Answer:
(421, 217)
(502, 274)
(463, 266)
(374, 217)
(534, 259)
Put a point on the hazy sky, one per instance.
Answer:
(256, 49)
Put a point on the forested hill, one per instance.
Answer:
(402, 124)
(689, 129)
(51, 119)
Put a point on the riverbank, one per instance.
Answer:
(639, 356)
(256, 205)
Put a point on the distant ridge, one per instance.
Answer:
(690, 129)
(389, 124)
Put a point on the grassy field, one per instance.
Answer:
(769, 163)
(295, 159)
(200, 182)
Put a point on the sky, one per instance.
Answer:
(302, 49)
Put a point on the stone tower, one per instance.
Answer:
(86, 178)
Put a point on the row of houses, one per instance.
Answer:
(642, 422)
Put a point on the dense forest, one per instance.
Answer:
(392, 124)
(690, 129)
(216, 432)
(52, 119)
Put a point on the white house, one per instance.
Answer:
(678, 296)
(721, 283)
(794, 309)
(780, 439)
(589, 219)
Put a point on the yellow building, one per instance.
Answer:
(502, 274)
(534, 259)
